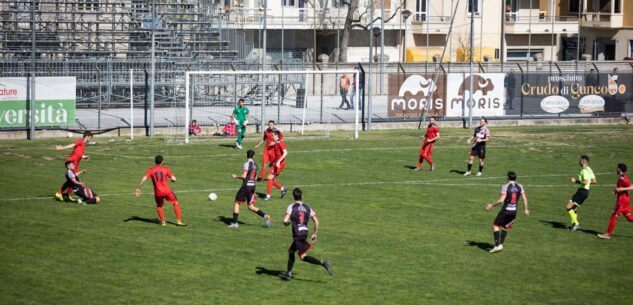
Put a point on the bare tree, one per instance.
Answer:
(354, 19)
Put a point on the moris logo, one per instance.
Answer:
(416, 95)
(480, 83)
(416, 84)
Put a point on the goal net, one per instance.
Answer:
(299, 101)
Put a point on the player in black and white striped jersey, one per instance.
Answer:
(510, 193)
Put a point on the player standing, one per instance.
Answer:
(622, 203)
(478, 140)
(510, 193)
(246, 193)
(298, 214)
(585, 178)
(432, 134)
(269, 153)
(278, 165)
(159, 175)
(79, 148)
(240, 116)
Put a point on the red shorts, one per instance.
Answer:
(277, 170)
(75, 161)
(171, 198)
(268, 156)
(622, 209)
(427, 150)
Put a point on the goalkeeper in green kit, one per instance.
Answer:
(240, 116)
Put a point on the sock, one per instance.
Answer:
(235, 216)
(261, 213)
(312, 260)
(291, 261)
(419, 163)
(277, 184)
(263, 172)
(470, 166)
(161, 215)
(177, 211)
(612, 221)
(574, 216)
(481, 168)
(502, 238)
(496, 236)
(269, 187)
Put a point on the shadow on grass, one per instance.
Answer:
(227, 220)
(261, 195)
(147, 220)
(227, 145)
(560, 225)
(410, 167)
(457, 172)
(278, 273)
(481, 245)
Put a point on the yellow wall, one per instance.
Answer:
(627, 9)
(419, 54)
(462, 54)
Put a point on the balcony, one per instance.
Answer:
(540, 24)
(423, 24)
(602, 20)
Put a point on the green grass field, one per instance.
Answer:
(393, 236)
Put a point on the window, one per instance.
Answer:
(474, 6)
(523, 54)
(617, 8)
(421, 7)
(292, 3)
(631, 48)
(574, 6)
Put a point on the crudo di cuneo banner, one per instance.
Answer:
(55, 101)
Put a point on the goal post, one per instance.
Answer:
(262, 119)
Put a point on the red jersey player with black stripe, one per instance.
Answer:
(159, 174)
(623, 201)
(426, 152)
(78, 154)
(269, 142)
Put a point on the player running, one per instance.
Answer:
(510, 193)
(432, 134)
(269, 153)
(159, 175)
(478, 141)
(240, 116)
(298, 214)
(585, 178)
(80, 189)
(79, 149)
(622, 203)
(278, 165)
(246, 193)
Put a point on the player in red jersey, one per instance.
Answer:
(278, 165)
(432, 134)
(78, 154)
(159, 175)
(623, 201)
(269, 153)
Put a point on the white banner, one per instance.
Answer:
(488, 94)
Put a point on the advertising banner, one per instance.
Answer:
(412, 94)
(55, 100)
(540, 94)
(488, 94)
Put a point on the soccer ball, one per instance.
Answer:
(69, 135)
(213, 196)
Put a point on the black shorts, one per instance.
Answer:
(301, 245)
(478, 151)
(505, 219)
(246, 194)
(580, 196)
(86, 194)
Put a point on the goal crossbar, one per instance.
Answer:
(188, 75)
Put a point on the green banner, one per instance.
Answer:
(47, 113)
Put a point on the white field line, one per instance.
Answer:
(466, 149)
(439, 182)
